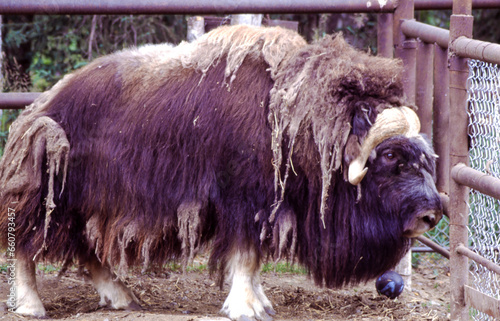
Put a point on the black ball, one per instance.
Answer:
(390, 284)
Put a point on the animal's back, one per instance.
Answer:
(151, 129)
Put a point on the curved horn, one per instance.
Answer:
(390, 122)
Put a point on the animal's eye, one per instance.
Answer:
(389, 155)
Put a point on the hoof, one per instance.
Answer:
(32, 311)
(133, 306)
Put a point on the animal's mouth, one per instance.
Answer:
(422, 223)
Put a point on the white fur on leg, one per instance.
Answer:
(110, 290)
(28, 301)
(246, 299)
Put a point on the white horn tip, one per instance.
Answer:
(356, 172)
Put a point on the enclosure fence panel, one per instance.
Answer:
(484, 133)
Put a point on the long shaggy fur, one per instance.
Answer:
(238, 138)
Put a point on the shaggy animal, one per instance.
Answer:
(248, 140)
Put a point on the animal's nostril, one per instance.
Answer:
(430, 219)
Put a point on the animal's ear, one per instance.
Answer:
(364, 115)
(351, 152)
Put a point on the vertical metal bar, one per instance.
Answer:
(460, 25)
(424, 83)
(1, 73)
(405, 49)
(385, 41)
(441, 116)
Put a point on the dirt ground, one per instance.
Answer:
(194, 296)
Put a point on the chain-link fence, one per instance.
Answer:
(424, 256)
(484, 135)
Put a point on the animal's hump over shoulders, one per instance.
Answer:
(235, 43)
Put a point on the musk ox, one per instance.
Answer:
(248, 139)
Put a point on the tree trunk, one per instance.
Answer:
(246, 19)
(195, 28)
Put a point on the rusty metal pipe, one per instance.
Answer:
(433, 245)
(462, 7)
(461, 249)
(460, 25)
(16, 100)
(441, 114)
(385, 43)
(406, 50)
(426, 33)
(447, 4)
(424, 85)
(190, 6)
(475, 49)
(218, 7)
(477, 180)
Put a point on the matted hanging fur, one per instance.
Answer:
(240, 143)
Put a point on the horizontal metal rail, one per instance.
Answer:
(447, 4)
(434, 246)
(476, 49)
(421, 249)
(16, 100)
(218, 6)
(482, 302)
(481, 182)
(191, 6)
(426, 33)
(461, 249)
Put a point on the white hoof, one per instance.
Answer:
(112, 291)
(246, 300)
(32, 308)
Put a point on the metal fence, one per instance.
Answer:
(484, 133)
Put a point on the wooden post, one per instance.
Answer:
(195, 28)
(247, 19)
(406, 50)
(424, 85)
(460, 25)
(1, 73)
(441, 114)
(385, 40)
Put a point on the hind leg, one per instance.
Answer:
(28, 301)
(246, 299)
(110, 288)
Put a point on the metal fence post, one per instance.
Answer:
(385, 40)
(441, 114)
(460, 25)
(424, 85)
(406, 49)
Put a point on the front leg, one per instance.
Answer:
(246, 299)
(111, 289)
(27, 300)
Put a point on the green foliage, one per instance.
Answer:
(438, 18)
(176, 267)
(40, 50)
(48, 268)
(439, 234)
(486, 25)
(283, 268)
(60, 44)
(6, 118)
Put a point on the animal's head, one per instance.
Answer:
(395, 166)
(337, 108)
